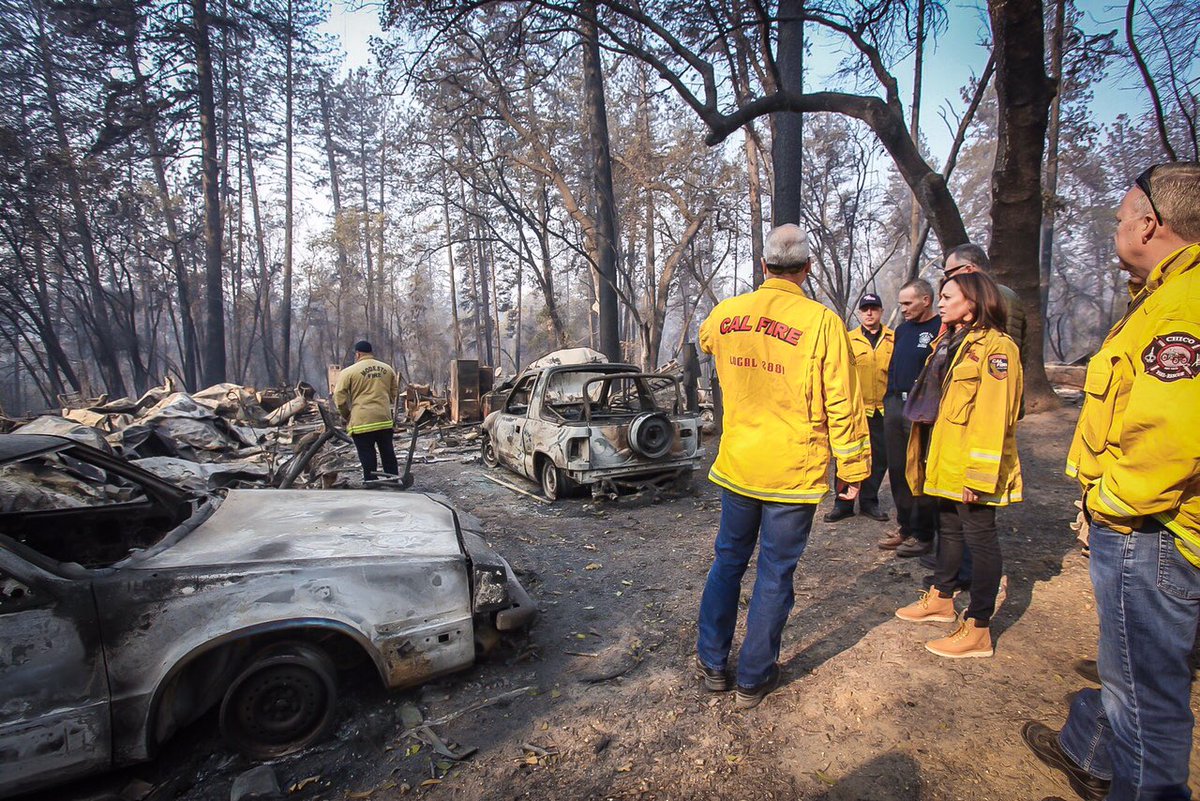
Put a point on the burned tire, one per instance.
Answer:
(488, 452)
(651, 435)
(554, 480)
(281, 703)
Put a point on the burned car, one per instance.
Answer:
(129, 607)
(603, 425)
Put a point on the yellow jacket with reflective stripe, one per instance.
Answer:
(973, 444)
(790, 394)
(1136, 450)
(871, 362)
(366, 394)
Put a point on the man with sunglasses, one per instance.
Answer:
(1136, 454)
(971, 258)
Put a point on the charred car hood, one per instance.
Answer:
(269, 525)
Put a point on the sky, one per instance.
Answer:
(955, 57)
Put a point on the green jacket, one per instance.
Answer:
(365, 395)
(1016, 316)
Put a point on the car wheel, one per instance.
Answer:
(489, 453)
(553, 480)
(281, 703)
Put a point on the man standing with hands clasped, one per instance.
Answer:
(791, 402)
(872, 344)
(1136, 454)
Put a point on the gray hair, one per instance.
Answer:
(970, 252)
(786, 249)
(923, 287)
(1176, 190)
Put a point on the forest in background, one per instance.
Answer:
(152, 155)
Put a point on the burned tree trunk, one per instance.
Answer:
(1023, 91)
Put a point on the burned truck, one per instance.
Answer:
(599, 425)
(129, 607)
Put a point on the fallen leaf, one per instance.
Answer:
(413, 750)
(627, 582)
(733, 759)
(593, 566)
(531, 760)
(628, 766)
(430, 782)
(556, 693)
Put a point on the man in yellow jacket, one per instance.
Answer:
(365, 396)
(791, 403)
(1136, 454)
(872, 343)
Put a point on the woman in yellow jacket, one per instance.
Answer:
(972, 464)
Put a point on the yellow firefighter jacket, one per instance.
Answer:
(973, 444)
(1136, 450)
(871, 362)
(365, 395)
(791, 395)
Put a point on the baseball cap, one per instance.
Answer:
(870, 299)
(362, 346)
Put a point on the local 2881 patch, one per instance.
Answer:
(1172, 356)
(998, 367)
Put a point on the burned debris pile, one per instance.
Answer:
(227, 436)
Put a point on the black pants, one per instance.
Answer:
(366, 443)
(869, 493)
(917, 516)
(974, 525)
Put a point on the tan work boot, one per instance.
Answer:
(968, 640)
(892, 541)
(931, 607)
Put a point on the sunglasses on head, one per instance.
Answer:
(1142, 182)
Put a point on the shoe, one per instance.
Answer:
(968, 640)
(931, 607)
(750, 697)
(715, 681)
(1088, 669)
(872, 511)
(913, 547)
(891, 542)
(838, 513)
(1043, 742)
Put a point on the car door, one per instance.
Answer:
(54, 701)
(510, 425)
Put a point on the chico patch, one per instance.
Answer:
(1172, 356)
(998, 367)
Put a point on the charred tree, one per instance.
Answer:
(1023, 92)
(601, 163)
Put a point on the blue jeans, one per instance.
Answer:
(1137, 730)
(781, 531)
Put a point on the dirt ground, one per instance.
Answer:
(600, 702)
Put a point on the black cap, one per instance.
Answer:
(362, 346)
(870, 299)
